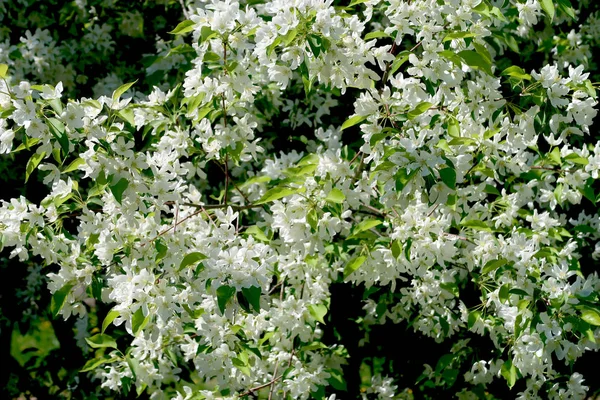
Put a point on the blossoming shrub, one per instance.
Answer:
(424, 164)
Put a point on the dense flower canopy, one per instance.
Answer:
(436, 158)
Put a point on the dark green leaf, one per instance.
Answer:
(448, 176)
(118, 188)
(59, 298)
(224, 294)
(252, 294)
(191, 258)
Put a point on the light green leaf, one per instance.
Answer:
(577, 159)
(118, 188)
(183, 27)
(96, 362)
(335, 196)
(318, 312)
(3, 70)
(353, 265)
(453, 128)
(548, 7)
(516, 72)
(509, 372)
(191, 258)
(101, 340)
(257, 233)
(365, 225)
(462, 141)
(276, 193)
(591, 316)
(74, 165)
(376, 35)
(33, 163)
(419, 109)
(110, 317)
(555, 155)
(120, 90)
(59, 298)
(448, 176)
(458, 35)
(224, 294)
(477, 225)
(353, 121)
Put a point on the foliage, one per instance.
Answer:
(302, 180)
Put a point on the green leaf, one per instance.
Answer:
(257, 233)
(376, 35)
(318, 312)
(477, 225)
(516, 72)
(27, 144)
(161, 250)
(183, 27)
(3, 70)
(224, 294)
(504, 293)
(448, 176)
(401, 58)
(118, 188)
(476, 60)
(509, 372)
(555, 155)
(473, 318)
(577, 159)
(276, 193)
(591, 316)
(33, 163)
(101, 340)
(120, 90)
(315, 43)
(403, 177)
(74, 165)
(357, 119)
(336, 380)
(110, 317)
(205, 33)
(335, 196)
(191, 258)
(458, 35)
(365, 225)
(419, 109)
(139, 321)
(313, 219)
(96, 362)
(252, 294)
(353, 265)
(548, 7)
(59, 298)
(453, 128)
(493, 265)
(57, 129)
(396, 248)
